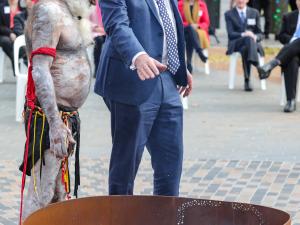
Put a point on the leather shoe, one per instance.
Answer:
(248, 86)
(290, 106)
(265, 70)
(202, 56)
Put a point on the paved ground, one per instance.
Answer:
(238, 147)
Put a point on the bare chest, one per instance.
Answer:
(70, 38)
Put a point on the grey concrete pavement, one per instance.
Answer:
(220, 123)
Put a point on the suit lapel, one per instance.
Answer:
(177, 16)
(153, 9)
(236, 15)
(294, 21)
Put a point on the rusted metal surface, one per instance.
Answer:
(155, 210)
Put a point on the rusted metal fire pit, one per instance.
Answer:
(154, 210)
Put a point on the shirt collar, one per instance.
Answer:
(244, 10)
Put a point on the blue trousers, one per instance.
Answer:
(156, 124)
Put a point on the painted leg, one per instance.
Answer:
(45, 184)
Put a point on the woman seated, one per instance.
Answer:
(196, 22)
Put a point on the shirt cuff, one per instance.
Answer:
(293, 39)
(132, 67)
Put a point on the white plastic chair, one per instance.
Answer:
(283, 91)
(21, 76)
(206, 65)
(2, 56)
(232, 70)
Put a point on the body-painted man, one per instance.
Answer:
(57, 35)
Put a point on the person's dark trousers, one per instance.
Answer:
(288, 52)
(157, 124)
(264, 5)
(290, 72)
(192, 42)
(248, 49)
(7, 45)
(99, 40)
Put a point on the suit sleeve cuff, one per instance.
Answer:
(132, 67)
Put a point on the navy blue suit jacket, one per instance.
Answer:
(133, 26)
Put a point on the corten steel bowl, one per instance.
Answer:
(154, 210)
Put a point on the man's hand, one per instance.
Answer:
(98, 29)
(250, 34)
(148, 68)
(60, 138)
(186, 91)
(13, 36)
(195, 26)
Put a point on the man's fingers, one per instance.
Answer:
(149, 71)
(153, 67)
(71, 139)
(58, 151)
(64, 148)
(187, 92)
(161, 67)
(181, 90)
(142, 74)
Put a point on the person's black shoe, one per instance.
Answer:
(202, 56)
(248, 86)
(266, 36)
(265, 70)
(290, 106)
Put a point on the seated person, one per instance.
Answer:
(20, 18)
(244, 35)
(288, 57)
(19, 25)
(8, 10)
(196, 22)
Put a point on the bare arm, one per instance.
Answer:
(46, 31)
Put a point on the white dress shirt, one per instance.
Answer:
(297, 27)
(244, 10)
(165, 49)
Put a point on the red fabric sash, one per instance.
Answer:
(31, 98)
(30, 94)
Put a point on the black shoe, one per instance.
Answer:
(202, 56)
(266, 36)
(290, 106)
(248, 86)
(265, 70)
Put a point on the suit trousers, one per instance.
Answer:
(157, 124)
(192, 42)
(248, 49)
(7, 45)
(264, 5)
(291, 77)
(288, 52)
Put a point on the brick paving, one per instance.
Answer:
(273, 184)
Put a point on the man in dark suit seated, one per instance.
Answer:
(244, 35)
(288, 57)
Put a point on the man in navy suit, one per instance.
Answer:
(141, 68)
(244, 35)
